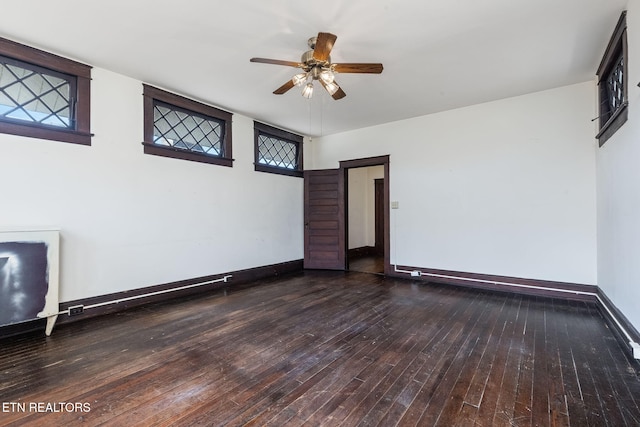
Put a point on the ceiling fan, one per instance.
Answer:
(316, 65)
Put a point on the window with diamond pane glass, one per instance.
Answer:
(43, 95)
(277, 151)
(35, 95)
(186, 131)
(615, 85)
(182, 128)
(612, 83)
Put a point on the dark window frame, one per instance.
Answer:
(180, 103)
(611, 121)
(263, 129)
(80, 132)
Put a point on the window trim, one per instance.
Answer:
(152, 94)
(81, 134)
(263, 129)
(610, 123)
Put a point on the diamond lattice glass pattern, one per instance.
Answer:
(615, 85)
(277, 152)
(34, 96)
(179, 129)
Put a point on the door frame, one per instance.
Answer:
(345, 165)
(378, 215)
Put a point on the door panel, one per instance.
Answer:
(324, 219)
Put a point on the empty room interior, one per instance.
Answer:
(335, 213)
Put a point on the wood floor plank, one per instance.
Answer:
(558, 407)
(601, 369)
(376, 385)
(396, 401)
(505, 407)
(477, 382)
(441, 358)
(628, 393)
(287, 388)
(337, 373)
(541, 379)
(305, 368)
(522, 406)
(448, 397)
(586, 362)
(573, 393)
(373, 361)
(365, 327)
(330, 348)
(492, 389)
(505, 397)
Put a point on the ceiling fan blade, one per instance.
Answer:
(358, 68)
(324, 44)
(276, 62)
(284, 88)
(338, 94)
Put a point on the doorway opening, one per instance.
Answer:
(365, 219)
(326, 216)
(366, 202)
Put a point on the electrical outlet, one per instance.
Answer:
(636, 350)
(76, 309)
(416, 273)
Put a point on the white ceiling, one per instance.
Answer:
(437, 54)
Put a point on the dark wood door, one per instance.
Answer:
(324, 228)
(379, 215)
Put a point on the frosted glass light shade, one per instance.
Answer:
(299, 79)
(327, 76)
(331, 88)
(307, 92)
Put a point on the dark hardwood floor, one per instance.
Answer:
(367, 264)
(328, 348)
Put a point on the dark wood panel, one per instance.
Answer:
(330, 348)
(324, 216)
(326, 210)
(326, 187)
(321, 255)
(323, 232)
(324, 225)
(323, 202)
(320, 177)
(333, 194)
(323, 240)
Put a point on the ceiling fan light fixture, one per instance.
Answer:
(307, 92)
(327, 76)
(332, 88)
(316, 65)
(299, 79)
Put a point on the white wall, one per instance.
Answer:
(504, 188)
(618, 174)
(361, 205)
(131, 220)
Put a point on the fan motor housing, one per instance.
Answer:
(308, 59)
